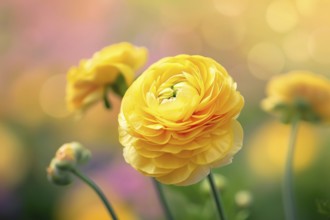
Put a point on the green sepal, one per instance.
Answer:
(106, 101)
(299, 109)
(119, 86)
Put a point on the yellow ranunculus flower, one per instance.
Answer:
(178, 119)
(87, 82)
(299, 93)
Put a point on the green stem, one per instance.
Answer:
(107, 103)
(162, 199)
(99, 192)
(288, 198)
(216, 197)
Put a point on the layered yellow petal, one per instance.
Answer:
(178, 119)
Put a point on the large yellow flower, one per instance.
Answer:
(87, 82)
(299, 93)
(178, 119)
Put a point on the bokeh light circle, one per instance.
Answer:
(318, 45)
(281, 16)
(265, 60)
(230, 7)
(307, 7)
(295, 46)
(52, 96)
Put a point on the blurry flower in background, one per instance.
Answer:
(267, 149)
(299, 93)
(88, 82)
(178, 119)
(14, 160)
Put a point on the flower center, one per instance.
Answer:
(175, 99)
(168, 94)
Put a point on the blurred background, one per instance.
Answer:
(253, 40)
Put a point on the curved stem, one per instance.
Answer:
(216, 197)
(162, 199)
(288, 198)
(99, 192)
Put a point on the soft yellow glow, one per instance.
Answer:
(281, 16)
(24, 96)
(319, 46)
(230, 7)
(307, 7)
(295, 46)
(52, 96)
(265, 60)
(13, 159)
(267, 148)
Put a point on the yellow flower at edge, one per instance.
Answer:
(178, 120)
(87, 83)
(299, 92)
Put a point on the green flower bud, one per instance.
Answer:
(220, 183)
(71, 154)
(243, 199)
(67, 157)
(56, 175)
